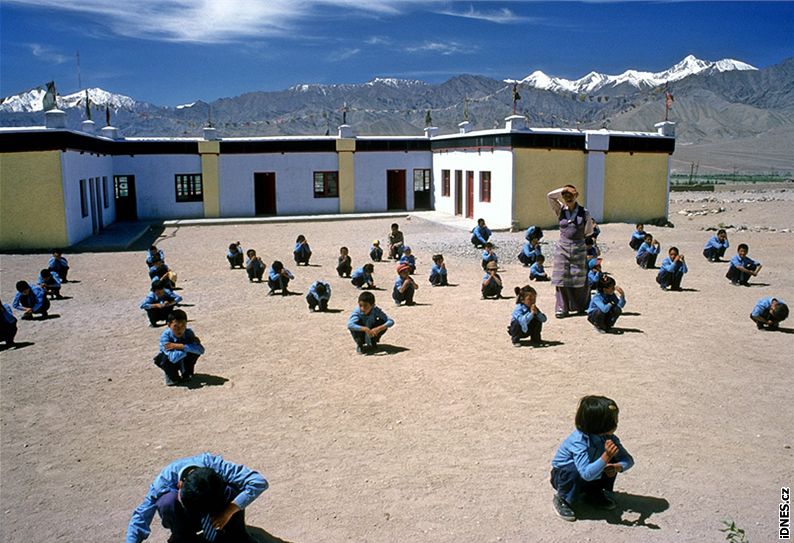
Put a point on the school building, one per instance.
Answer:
(59, 186)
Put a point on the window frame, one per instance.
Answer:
(426, 179)
(485, 186)
(83, 199)
(188, 187)
(105, 196)
(327, 175)
(446, 181)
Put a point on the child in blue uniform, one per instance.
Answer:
(647, 253)
(672, 270)
(533, 232)
(235, 255)
(302, 252)
(530, 252)
(480, 234)
(344, 263)
(50, 282)
(8, 325)
(769, 312)
(278, 278)
(588, 461)
(595, 273)
(605, 307)
(537, 272)
(159, 303)
(254, 266)
(491, 282)
(637, 237)
(716, 246)
(404, 286)
(318, 296)
(527, 320)
(592, 249)
(409, 259)
(179, 349)
(154, 255)
(59, 265)
(488, 255)
(362, 277)
(375, 252)
(31, 300)
(396, 242)
(742, 266)
(202, 494)
(368, 323)
(438, 273)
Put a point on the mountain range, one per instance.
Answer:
(716, 105)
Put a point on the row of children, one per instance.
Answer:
(34, 299)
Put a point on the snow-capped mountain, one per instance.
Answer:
(595, 81)
(33, 100)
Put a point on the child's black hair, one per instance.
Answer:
(522, 292)
(157, 285)
(277, 265)
(480, 221)
(605, 282)
(781, 312)
(369, 268)
(742, 246)
(45, 272)
(320, 289)
(647, 235)
(597, 415)
(250, 252)
(639, 225)
(589, 241)
(300, 238)
(540, 258)
(153, 248)
(22, 286)
(673, 248)
(438, 257)
(722, 231)
(343, 248)
(57, 251)
(203, 492)
(488, 245)
(395, 225)
(176, 315)
(367, 298)
(232, 246)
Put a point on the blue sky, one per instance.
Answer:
(170, 52)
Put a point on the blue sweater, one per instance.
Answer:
(605, 302)
(524, 316)
(585, 450)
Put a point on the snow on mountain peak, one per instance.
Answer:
(33, 100)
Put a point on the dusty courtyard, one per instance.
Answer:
(448, 435)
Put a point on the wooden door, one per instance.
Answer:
(395, 189)
(458, 192)
(470, 195)
(265, 193)
(124, 191)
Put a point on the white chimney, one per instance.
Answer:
(515, 122)
(665, 128)
(88, 126)
(464, 127)
(55, 118)
(431, 131)
(345, 131)
(110, 132)
(210, 134)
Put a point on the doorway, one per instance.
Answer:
(458, 192)
(265, 193)
(124, 191)
(469, 195)
(395, 189)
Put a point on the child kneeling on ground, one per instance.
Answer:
(404, 286)
(438, 273)
(491, 282)
(368, 323)
(31, 300)
(179, 349)
(235, 255)
(318, 296)
(672, 270)
(159, 303)
(278, 278)
(527, 320)
(769, 312)
(605, 307)
(588, 461)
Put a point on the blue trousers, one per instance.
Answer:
(302, 255)
(363, 340)
(407, 296)
(491, 289)
(647, 260)
(526, 260)
(570, 485)
(313, 303)
(670, 279)
(186, 366)
(8, 331)
(713, 254)
(438, 280)
(602, 320)
(533, 331)
(235, 260)
(279, 284)
(376, 254)
(184, 526)
(737, 276)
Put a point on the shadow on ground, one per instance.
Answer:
(636, 510)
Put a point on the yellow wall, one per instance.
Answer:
(345, 149)
(210, 177)
(536, 173)
(32, 210)
(635, 187)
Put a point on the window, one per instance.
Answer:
(83, 199)
(105, 197)
(444, 182)
(188, 187)
(326, 184)
(485, 186)
(121, 186)
(421, 180)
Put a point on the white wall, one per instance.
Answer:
(76, 166)
(155, 185)
(370, 171)
(498, 212)
(294, 182)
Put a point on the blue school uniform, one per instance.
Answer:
(159, 313)
(247, 483)
(375, 318)
(491, 288)
(187, 339)
(523, 323)
(715, 249)
(158, 270)
(150, 260)
(763, 309)
(637, 239)
(646, 255)
(406, 296)
(235, 258)
(738, 276)
(277, 281)
(438, 276)
(671, 273)
(577, 465)
(315, 299)
(53, 283)
(344, 265)
(36, 299)
(596, 232)
(480, 235)
(533, 232)
(59, 266)
(537, 272)
(593, 277)
(604, 310)
(302, 253)
(529, 254)
(488, 258)
(376, 253)
(360, 278)
(410, 260)
(255, 268)
(8, 324)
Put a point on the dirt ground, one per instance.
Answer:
(445, 437)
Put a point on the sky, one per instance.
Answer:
(170, 52)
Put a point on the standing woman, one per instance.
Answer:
(570, 258)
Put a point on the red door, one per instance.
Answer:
(395, 189)
(458, 192)
(265, 193)
(470, 195)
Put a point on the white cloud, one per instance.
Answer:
(211, 21)
(442, 48)
(343, 54)
(500, 16)
(47, 53)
